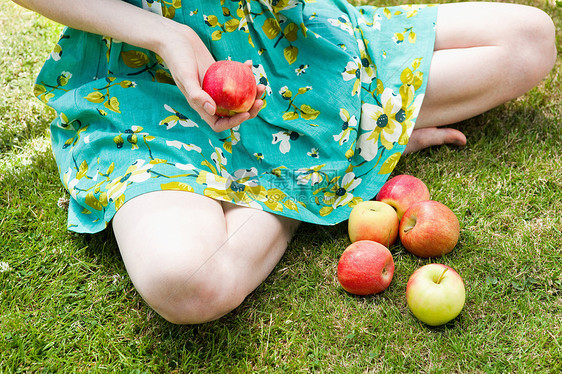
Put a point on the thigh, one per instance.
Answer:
(173, 243)
(485, 54)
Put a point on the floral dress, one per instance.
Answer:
(344, 86)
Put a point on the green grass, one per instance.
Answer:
(67, 305)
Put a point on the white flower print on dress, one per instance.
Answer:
(340, 194)
(284, 139)
(379, 124)
(359, 70)
(176, 118)
(312, 175)
(188, 147)
(343, 23)
(349, 124)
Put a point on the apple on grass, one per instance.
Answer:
(429, 229)
(365, 268)
(402, 191)
(373, 220)
(435, 294)
(232, 86)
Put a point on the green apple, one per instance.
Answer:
(373, 220)
(435, 294)
(365, 268)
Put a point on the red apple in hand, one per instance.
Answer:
(435, 294)
(429, 229)
(232, 86)
(373, 220)
(402, 191)
(365, 267)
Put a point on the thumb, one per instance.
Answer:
(199, 100)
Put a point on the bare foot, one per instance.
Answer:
(431, 136)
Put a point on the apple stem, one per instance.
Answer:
(410, 224)
(442, 275)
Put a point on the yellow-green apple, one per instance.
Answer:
(232, 86)
(373, 220)
(435, 294)
(365, 268)
(429, 229)
(402, 191)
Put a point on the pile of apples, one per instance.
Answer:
(426, 228)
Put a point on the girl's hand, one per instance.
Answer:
(188, 59)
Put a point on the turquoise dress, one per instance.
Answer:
(344, 88)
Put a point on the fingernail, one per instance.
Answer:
(209, 108)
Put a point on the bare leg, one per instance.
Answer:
(194, 259)
(485, 54)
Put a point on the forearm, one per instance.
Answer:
(114, 18)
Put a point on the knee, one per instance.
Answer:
(545, 39)
(188, 295)
(535, 43)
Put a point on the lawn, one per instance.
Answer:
(67, 304)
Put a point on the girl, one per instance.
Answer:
(203, 207)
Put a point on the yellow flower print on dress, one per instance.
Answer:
(237, 21)
(399, 37)
(276, 6)
(41, 92)
(278, 28)
(239, 188)
(380, 125)
(110, 102)
(136, 173)
(293, 112)
(232, 139)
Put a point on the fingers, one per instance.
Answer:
(219, 124)
(225, 123)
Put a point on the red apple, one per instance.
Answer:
(232, 86)
(365, 267)
(373, 220)
(402, 191)
(429, 229)
(435, 294)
